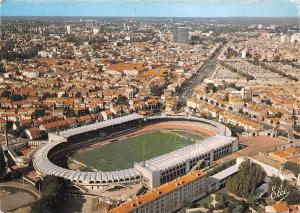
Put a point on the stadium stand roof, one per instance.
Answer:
(44, 165)
(79, 130)
(179, 156)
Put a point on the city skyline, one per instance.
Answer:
(147, 8)
(128, 106)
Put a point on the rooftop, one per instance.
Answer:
(178, 156)
(124, 66)
(227, 172)
(157, 192)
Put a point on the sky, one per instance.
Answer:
(151, 8)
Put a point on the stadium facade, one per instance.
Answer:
(152, 172)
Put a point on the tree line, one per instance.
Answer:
(235, 70)
(272, 69)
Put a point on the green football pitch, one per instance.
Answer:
(122, 154)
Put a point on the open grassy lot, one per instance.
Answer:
(122, 154)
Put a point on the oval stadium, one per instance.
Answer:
(210, 141)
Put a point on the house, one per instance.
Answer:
(236, 104)
(23, 123)
(131, 69)
(84, 120)
(117, 111)
(59, 125)
(282, 207)
(109, 114)
(48, 119)
(33, 133)
(5, 102)
(31, 73)
(287, 155)
(255, 111)
(104, 115)
(191, 103)
(96, 117)
(251, 127)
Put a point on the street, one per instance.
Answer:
(201, 74)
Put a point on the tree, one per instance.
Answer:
(77, 95)
(276, 58)
(235, 129)
(65, 95)
(15, 174)
(38, 113)
(97, 109)
(40, 206)
(282, 185)
(178, 89)
(14, 97)
(157, 90)
(23, 134)
(278, 114)
(19, 132)
(212, 87)
(122, 100)
(2, 68)
(293, 198)
(2, 163)
(6, 94)
(239, 209)
(52, 195)
(295, 168)
(69, 112)
(248, 178)
(219, 206)
(44, 135)
(230, 53)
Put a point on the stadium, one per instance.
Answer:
(51, 158)
(122, 152)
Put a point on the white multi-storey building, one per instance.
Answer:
(95, 31)
(68, 29)
(168, 197)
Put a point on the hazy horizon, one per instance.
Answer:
(151, 8)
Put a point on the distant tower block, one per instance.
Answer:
(95, 31)
(68, 29)
(181, 35)
(244, 53)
